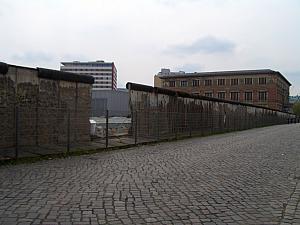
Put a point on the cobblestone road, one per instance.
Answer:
(247, 177)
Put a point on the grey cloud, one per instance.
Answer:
(189, 68)
(292, 74)
(5, 7)
(177, 2)
(76, 57)
(40, 56)
(45, 58)
(206, 45)
(33, 57)
(294, 78)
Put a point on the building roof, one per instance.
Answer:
(221, 73)
(87, 62)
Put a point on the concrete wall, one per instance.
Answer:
(164, 112)
(41, 106)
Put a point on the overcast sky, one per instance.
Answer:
(142, 36)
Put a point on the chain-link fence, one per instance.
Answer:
(29, 132)
(151, 125)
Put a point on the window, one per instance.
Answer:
(183, 83)
(248, 96)
(221, 95)
(262, 80)
(262, 96)
(234, 96)
(248, 81)
(221, 82)
(208, 94)
(172, 83)
(207, 82)
(234, 81)
(196, 83)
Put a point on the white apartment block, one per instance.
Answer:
(105, 73)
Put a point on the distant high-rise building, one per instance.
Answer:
(105, 73)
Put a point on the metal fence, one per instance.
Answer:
(154, 125)
(29, 132)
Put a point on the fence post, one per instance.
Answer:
(189, 117)
(68, 131)
(232, 121)
(36, 126)
(175, 125)
(17, 132)
(212, 120)
(106, 130)
(157, 125)
(135, 127)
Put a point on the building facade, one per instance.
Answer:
(266, 88)
(115, 101)
(105, 73)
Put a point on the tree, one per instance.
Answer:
(296, 108)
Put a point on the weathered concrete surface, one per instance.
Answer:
(43, 107)
(249, 177)
(157, 110)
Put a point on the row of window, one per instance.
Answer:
(100, 86)
(90, 64)
(220, 82)
(96, 74)
(102, 78)
(102, 82)
(235, 96)
(71, 70)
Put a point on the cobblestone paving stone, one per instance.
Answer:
(248, 177)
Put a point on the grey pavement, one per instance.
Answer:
(248, 177)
